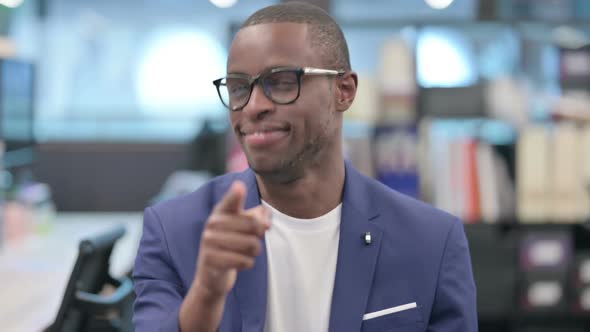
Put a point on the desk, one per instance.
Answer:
(35, 272)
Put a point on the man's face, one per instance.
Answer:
(282, 140)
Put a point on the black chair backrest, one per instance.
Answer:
(90, 274)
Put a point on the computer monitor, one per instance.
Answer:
(17, 95)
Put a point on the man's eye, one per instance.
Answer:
(236, 89)
(282, 84)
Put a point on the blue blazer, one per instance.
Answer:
(418, 254)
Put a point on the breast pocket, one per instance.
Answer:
(405, 318)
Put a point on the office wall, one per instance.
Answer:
(109, 176)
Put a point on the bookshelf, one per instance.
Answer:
(489, 120)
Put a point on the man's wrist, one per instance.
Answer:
(205, 293)
(201, 309)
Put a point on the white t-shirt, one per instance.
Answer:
(302, 257)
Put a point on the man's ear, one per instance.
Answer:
(346, 90)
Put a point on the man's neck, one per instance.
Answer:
(314, 194)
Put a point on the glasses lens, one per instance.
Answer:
(282, 87)
(234, 91)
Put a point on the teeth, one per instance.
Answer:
(259, 133)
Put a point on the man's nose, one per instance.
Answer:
(259, 103)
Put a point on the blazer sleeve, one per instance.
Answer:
(158, 289)
(455, 307)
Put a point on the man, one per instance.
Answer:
(301, 241)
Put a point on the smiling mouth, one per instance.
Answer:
(262, 137)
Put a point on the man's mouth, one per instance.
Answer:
(264, 136)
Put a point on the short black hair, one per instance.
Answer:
(325, 34)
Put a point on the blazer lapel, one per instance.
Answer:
(356, 259)
(251, 285)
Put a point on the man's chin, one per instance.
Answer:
(280, 173)
(265, 168)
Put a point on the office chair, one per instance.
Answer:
(83, 308)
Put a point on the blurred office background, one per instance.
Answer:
(479, 107)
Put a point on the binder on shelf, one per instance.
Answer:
(581, 275)
(546, 251)
(505, 189)
(396, 158)
(545, 261)
(581, 300)
(440, 166)
(397, 82)
(365, 108)
(489, 194)
(543, 293)
(458, 181)
(397, 68)
(472, 197)
(586, 159)
(426, 165)
(569, 197)
(532, 174)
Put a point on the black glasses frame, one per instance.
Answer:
(299, 71)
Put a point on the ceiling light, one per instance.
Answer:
(439, 4)
(223, 3)
(11, 3)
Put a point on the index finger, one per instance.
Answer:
(233, 200)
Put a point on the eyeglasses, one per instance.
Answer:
(280, 85)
